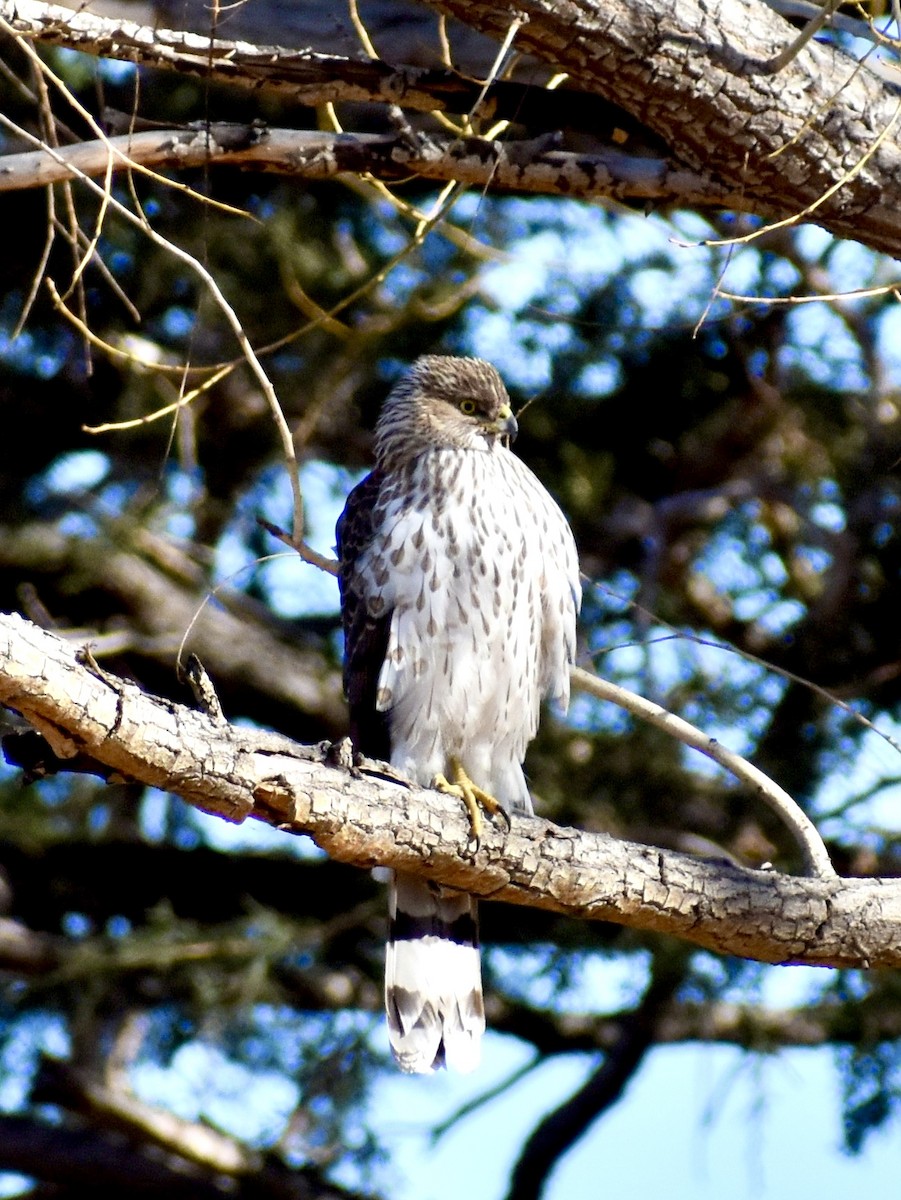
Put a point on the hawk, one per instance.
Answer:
(459, 595)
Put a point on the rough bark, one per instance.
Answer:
(813, 140)
(363, 816)
(699, 75)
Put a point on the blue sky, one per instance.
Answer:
(697, 1123)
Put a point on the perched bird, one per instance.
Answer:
(459, 594)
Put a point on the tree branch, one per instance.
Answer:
(365, 816)
(196, 1142)
(695, 74)
(516, 166)
(106, 1164)
(304, 76)
(165, 593)
(70, 1157)
(811, 141)
(749, 1026)
(805, 833)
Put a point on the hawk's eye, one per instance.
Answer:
(467, 407)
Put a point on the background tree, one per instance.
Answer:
(192, 1007)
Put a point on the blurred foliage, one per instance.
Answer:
(731, 472)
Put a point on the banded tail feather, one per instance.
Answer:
(433, 978)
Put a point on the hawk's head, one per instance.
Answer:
(444, 402)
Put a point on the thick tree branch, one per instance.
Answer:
(813, 140)
(365, 817)
(695, 73)
(304, 76)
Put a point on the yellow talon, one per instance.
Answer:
(474, 797)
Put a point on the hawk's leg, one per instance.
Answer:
(474, 797)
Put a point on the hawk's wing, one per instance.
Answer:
(433, 986)
(365, 636)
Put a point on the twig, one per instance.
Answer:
(183, 256)
(840, 21)
(476, 1102)
(361, 30)
(306, 551)
(813, 851)
(783, 672)
(794, 48)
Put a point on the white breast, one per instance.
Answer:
(479, 568)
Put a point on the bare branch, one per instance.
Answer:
(846, 24)
(535, 166)
(140, 221)
(811, 29)
(118, 1110)
(693, 81)
(367, 817)
(303, 76)
(815, 855)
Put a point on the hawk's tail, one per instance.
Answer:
(433, 980)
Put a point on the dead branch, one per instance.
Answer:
(516, 166)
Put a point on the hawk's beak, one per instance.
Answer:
(506, 424)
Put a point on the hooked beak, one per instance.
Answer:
(506, 424)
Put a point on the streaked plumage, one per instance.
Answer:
(460, 589)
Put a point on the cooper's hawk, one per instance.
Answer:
(459, 591)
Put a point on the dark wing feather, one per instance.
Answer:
(365, 636)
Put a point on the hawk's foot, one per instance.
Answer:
(474, 797)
